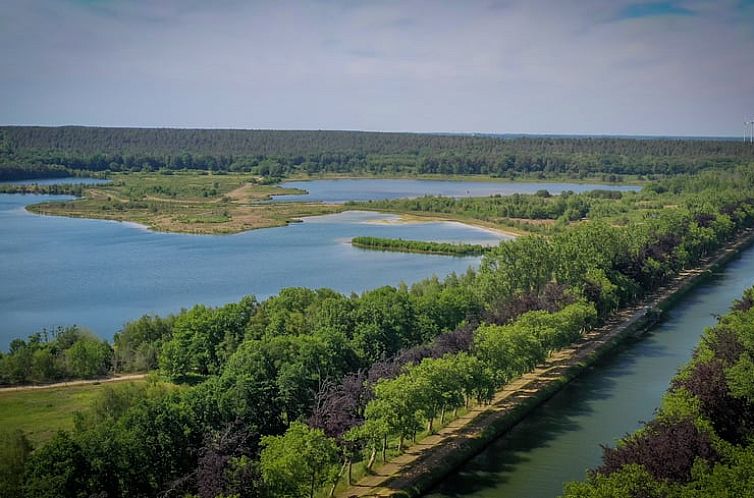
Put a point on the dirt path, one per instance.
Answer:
(72, 383)
(410, 473)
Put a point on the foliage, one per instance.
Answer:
(369, 370)
(700, 443)
(277, 153)
(63, 353)
(14, 452)
(419, 246)
(297, 463)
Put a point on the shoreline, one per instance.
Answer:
(412, 217)
(426, 464)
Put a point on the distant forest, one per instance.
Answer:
(27, 151)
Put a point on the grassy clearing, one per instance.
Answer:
(192, 202)
(40, 413)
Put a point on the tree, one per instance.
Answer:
(88, 358)
(59, 468)
(14, 452)
(299, 462)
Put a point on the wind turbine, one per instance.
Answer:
(749, 133)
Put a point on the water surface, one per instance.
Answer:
(561, 438)
(100, 274)
(376, 189)
(60, 181)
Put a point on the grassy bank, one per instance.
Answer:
(40, 413)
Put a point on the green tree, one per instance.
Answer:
(14, 452)
(299, 462)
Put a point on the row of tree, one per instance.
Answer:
(540, 206)
(700, 442)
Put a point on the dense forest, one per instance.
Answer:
(284, 397)
(700, 443)
(28, 152)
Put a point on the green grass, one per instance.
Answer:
(190, 202)
(40, 413)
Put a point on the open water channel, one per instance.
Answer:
(560, 439)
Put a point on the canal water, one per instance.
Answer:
(561, 439)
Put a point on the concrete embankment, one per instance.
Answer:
(426, 463)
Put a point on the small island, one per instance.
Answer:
(420, 246)
(184, 202)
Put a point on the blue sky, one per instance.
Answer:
(507, 66)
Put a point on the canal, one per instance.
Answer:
(561, 439)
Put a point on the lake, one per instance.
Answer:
(343, 190)
(99, 274)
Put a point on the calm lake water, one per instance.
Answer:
(561, 438)
(376, 189)
(100, 274)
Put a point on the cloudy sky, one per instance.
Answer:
(511, 66)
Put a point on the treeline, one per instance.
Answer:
(288, 392)
(420, 246)
(567, 206)
(60, 354)
(701, 441)
(278, 153)
(35, 188)
(10, 170)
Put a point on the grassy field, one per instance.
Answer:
(193, 202)
(42, 412)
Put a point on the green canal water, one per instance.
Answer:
(561, 439)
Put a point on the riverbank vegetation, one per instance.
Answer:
(700, 442)
(194, 202)
(419, 246)
(50, 356)
(283, 396)
(27, 151)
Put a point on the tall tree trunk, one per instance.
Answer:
(349, 474)
(372, 458)
(429, 424)
(384, 449)
(337, 479)
(455, 412)
(442, 415)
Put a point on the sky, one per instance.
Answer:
(681, 68)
